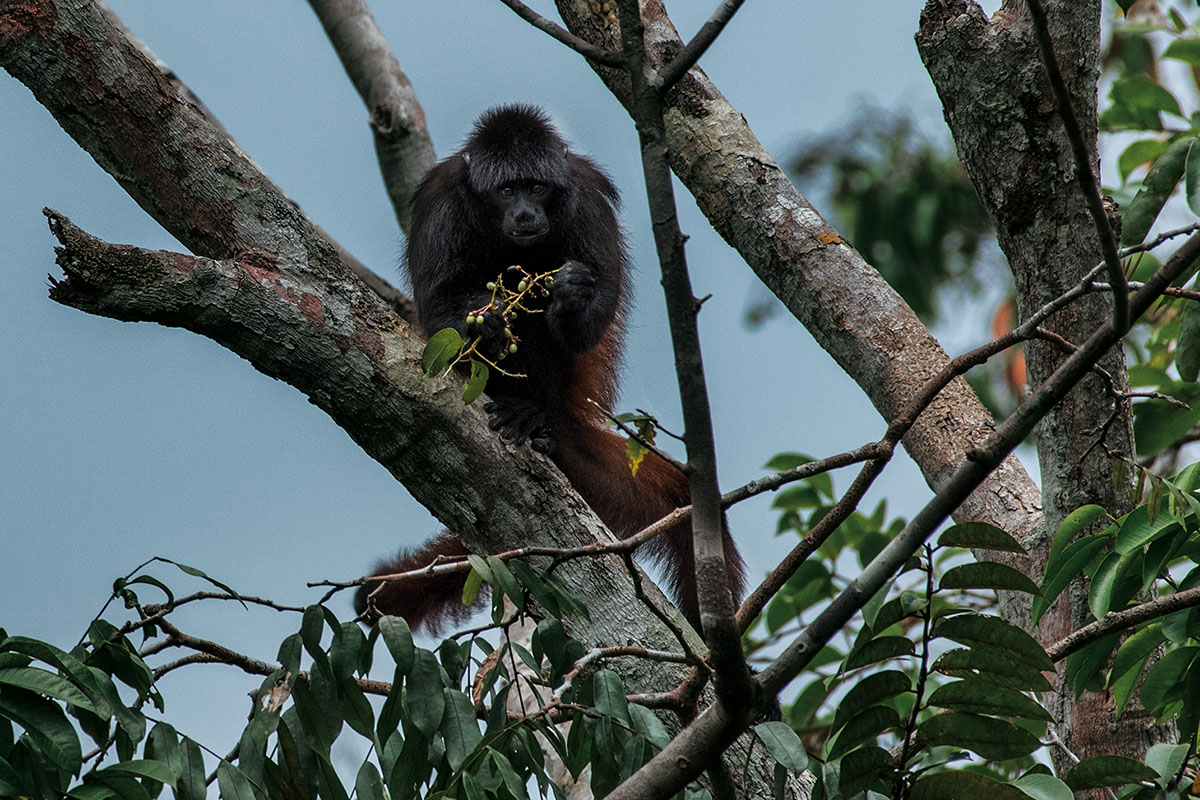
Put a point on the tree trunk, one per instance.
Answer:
(1001, 110)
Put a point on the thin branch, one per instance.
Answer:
(1115, 621)
(1083, 167)
(585, 48)
(669, 75)
(733, 685)
(637, 437)
(584, 664)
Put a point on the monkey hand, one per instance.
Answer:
(573, 316)
(490, 327)
(519, 421)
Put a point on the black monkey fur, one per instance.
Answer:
(515, 194)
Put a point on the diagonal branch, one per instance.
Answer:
(1084, 173)
(600, 55)
(697, 47)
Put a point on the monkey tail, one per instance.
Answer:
(426, 603)
(596, 463)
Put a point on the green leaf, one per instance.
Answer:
(46, 726)
(864, 726)
(881, 648)
(163, 745)
(191, 784)
(141, 768)
(512, 781)
(987, 575)
(356, 708)
(608, 695)
(957, 785)
(505, 581)
(198, 573)
(1158, 185)
(459, 729)
(368, 785)
(476, 383)
(860, 768)
(1164, 681)
(1140, 152)
(1187, 350)
(45, 682)
(1060, 572)
(1128, 663)
(1158, 424)
(981, 697)
(1191, 178)
(233, 783)
(980, 536)
(1075, 523)
(398, 639)
(992, 665)
(426, 701)
(1043, 787)
(649, 725)
(783, 744)
(869, 691)
(1093, 773)
(1136, 529)
(972, 629)
(1167, 760)
(992, 738)
(1184, 50)
(440, 350)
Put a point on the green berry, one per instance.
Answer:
(521, 286)
(491, 286)
(549, 280)
(512, 348)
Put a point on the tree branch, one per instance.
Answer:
(600, 55)
(669, 75)
(397, 120)
(1084, 173)
(1115, 621)
(712, 583)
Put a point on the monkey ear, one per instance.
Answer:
(467, 159)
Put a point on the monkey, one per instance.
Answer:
(515, 194)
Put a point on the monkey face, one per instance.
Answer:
(523, 210)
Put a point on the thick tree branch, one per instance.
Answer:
(842, 301)
(402, 142)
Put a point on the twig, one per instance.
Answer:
(1083, 167)
(637, 437)
(1120, 620)
(639, 591)
(621, 651)
(585, 48)
(670, 74)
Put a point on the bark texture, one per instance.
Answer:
(1001, 110)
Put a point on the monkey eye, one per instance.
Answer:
(506, 191)
(538, 188)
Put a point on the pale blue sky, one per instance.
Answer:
(122, 441)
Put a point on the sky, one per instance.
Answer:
(123, 441)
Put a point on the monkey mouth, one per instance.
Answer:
(527, 235)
